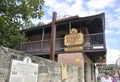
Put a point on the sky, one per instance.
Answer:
(84, 8)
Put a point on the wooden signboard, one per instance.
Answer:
(73, 59)
(74, 41)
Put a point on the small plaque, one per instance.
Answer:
(77, 60)
(23, 71)
(64, 72)
(76, 48)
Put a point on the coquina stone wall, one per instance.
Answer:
(49, 71)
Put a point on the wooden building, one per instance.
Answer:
(68, 32)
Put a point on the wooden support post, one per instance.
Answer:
(53, 36)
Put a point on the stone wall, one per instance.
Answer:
(90, 75)
(49, 71)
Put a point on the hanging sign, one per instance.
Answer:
(74, 41)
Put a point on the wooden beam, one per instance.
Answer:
(53, 37)
(43, 33)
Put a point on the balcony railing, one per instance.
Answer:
(94, 41)
(91, 42)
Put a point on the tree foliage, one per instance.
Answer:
(111, 67)
(14, 16)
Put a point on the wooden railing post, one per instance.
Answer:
(53, 36)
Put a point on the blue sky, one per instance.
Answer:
(83, 8)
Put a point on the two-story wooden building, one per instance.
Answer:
(83, 36)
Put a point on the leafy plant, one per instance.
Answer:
(15, 15)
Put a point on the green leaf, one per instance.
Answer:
(16, 15)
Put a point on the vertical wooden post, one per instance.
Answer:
(43, 33)
(69, 26)
(53, 36)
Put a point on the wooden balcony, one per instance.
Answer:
(93, 43)
(95, 48)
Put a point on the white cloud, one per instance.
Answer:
(63, 8)
(35, 21)
(50, 2)
(114, 23)
(111, 40)
(100, 4)
(112, 55)
(44, 20)
(55, 5)
(69, 1)
(110, 32)
(118, 32)
(117, 10)
(76, 8)
(119, 17)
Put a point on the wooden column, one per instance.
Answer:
(69, 26)
(43, 33)
(53, 37)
